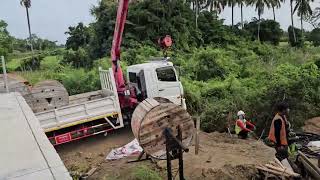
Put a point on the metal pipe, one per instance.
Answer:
(5, 74)
(169, 172)
(181, 174)
(169, 134)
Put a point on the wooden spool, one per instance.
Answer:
(151, 117)
(47, 95)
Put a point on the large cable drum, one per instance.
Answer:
(151, 117)
(47, 95)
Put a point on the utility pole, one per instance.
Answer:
(5, 78)
(29, 28)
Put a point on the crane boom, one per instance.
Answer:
(117, 38)
(124, 100)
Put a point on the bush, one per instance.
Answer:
(315, 37)
(210, 63)
(77, 59)
(78, 81)
(140, 54)
(30, 63)
(252, 77)
(270, 30)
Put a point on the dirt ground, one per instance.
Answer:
(220, 157)
(80, 156)
(223, 157)
(312, 125)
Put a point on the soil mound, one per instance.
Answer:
(312, 125)
(224, 157)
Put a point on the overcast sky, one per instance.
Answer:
(51, 19)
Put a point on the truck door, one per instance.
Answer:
(168, 84)
(142, 85)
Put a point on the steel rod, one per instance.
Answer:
(169, 173)
(180, 155)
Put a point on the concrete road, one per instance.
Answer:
(25, 151)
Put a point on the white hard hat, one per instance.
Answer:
(240, 113)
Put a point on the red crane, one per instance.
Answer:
(122, 12)
(165, 42)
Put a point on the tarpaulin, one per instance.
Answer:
(132, 148)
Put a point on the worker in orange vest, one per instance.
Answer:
(279, 131)
(243, 127)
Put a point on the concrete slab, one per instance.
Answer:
(25, 151)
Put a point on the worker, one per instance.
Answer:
(279, 131)
(243, 127)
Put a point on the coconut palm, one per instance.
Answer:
(292, 25)
(275, 4)
(259, 6)
(304, 9)
(217, 5)
(231, 3)
(314, 19)
(241, 3)
(27, 5)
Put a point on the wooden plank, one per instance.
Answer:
(197, 136)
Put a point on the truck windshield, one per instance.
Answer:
(166, 74)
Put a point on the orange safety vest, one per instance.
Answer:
(283, 133)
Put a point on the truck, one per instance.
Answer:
(100, 111)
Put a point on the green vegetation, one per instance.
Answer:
(251, 77)
(145, 173)
(5, 39)
(315, 37)
(269, 30)
(249, 66)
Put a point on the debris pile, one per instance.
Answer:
(312, 125)
(275, 168)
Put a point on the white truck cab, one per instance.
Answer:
(157, 78)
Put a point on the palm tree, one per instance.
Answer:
(241, 3)
(27, 5)
(292, 25)
(314, 19)
(217, 5)
(304, 9)
(259, 5)
(275, 4)
(231, 3)
(199, 5)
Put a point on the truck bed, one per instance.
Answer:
(78, 113)
(86, 107)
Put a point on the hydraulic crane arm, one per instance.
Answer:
(165, 42)
(124, 99)
(117, 38)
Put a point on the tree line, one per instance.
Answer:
(190, 23)
(301, 7)
(10, 44)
